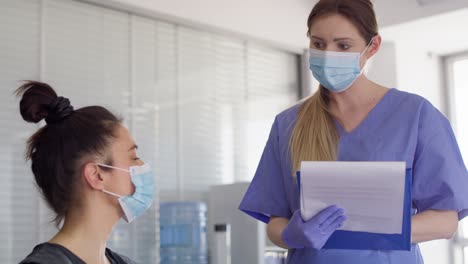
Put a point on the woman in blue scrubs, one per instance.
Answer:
(351, 118)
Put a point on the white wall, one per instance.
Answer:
(420, 45)
(382, 68)
(419, 71)
(436, 252)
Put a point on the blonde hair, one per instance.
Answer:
(314, 137)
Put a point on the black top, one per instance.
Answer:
(48, 253)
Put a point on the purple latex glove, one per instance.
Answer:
(315, 232)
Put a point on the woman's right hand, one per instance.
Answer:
(315, 232)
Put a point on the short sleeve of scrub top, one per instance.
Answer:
(266, 195)
(440, 178)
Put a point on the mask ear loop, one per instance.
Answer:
(364, 68)
(116, 168)
(111, 167)
(368, 45)
(113, 194)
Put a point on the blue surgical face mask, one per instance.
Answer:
(336, 71)
(137, 203)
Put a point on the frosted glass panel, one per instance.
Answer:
(199, 105)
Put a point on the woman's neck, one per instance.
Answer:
(355, 96)
(85, 233)
(353, 105)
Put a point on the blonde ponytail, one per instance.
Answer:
(314, 137)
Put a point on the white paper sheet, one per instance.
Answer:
(372, 193)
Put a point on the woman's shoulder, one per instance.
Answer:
(419, 106)
(288, 115)
(409, 99)
(51, 254)
(48, 253)
(118, 258)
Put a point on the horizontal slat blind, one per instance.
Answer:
(199, 105)
(19, 60)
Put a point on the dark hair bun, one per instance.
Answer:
(39, 101)
(59, 151)
(59, 109)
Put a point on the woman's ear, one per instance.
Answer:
(374, 46)
(92, 176)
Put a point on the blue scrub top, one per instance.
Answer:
(401, 127)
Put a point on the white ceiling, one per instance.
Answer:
(391, 12)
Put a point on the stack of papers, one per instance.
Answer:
(372, 193)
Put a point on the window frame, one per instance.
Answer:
(459, 244)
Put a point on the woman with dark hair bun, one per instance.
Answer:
(86, 166)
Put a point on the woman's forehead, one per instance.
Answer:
(334, 26)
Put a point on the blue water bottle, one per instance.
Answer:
(183, 233)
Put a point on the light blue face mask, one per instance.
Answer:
(336, 71)
(136, 204)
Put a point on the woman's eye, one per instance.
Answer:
(344, 46)
(318, 45)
